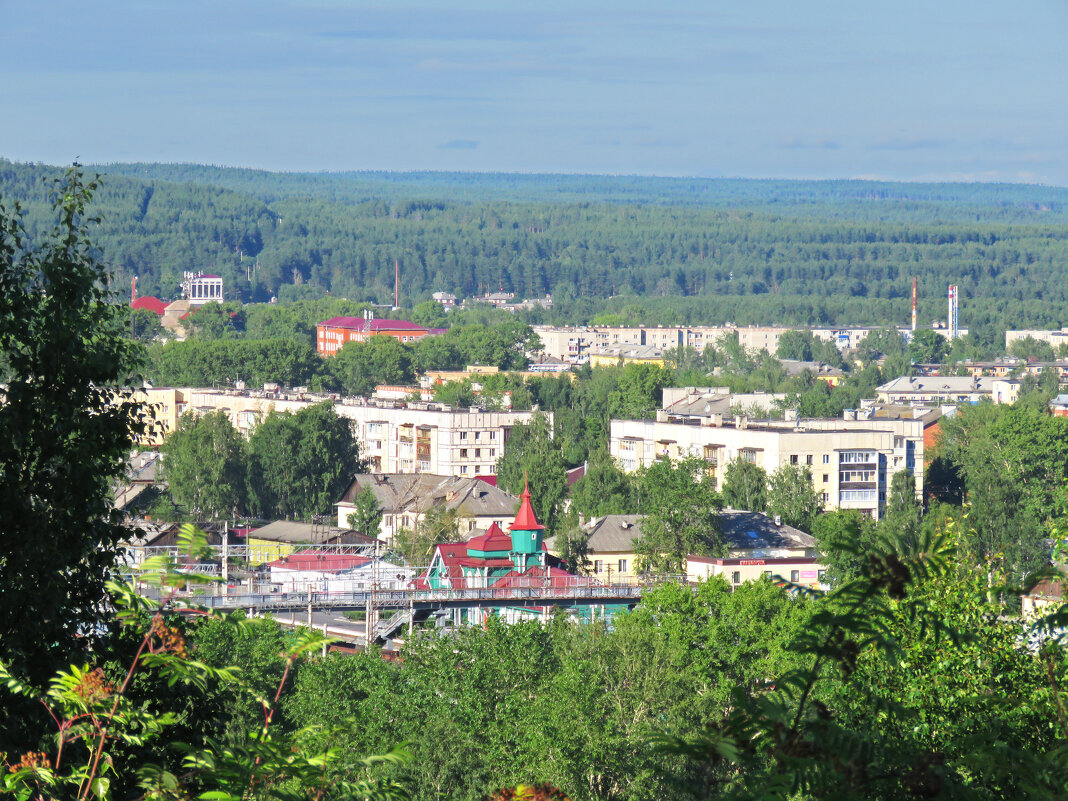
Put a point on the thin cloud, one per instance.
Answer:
(909, 143)
(805, 143)
(459, 144)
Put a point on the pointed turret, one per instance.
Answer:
(526, 533)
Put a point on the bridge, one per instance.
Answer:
(532, 596)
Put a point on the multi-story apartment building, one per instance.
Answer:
(576, 343)
(947, 389)
(852, 461)
(394, 437)
(1053, 338)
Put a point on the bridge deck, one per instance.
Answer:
(588, 595)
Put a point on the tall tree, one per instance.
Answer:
(604, 489)
(639, 391)
(927, 346)
(531, 453)
(795, 345)
(66, 428)
(681, 515)
(366, 518)
(792, 496)
(302, 463)
(745, 486)
(204, 466)
(360, 366)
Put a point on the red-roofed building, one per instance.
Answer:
(331, 335)
(154, 305)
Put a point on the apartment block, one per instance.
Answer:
(852, 461)
(1052, 338)
(948, 390)
(394, 437)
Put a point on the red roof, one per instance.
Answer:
(362, 324)
(325, 562)
(525, 519)
(491, 480)
(152, 304)
(575, 474)
(493, 540)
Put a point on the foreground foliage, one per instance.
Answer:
(97, 722)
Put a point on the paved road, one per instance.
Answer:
(337, 625)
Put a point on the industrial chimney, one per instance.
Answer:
(914, 304)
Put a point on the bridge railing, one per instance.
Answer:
(523, 592)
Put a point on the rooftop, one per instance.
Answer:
(938, 384)
(742, 531)
(399, 492)
(372, 325)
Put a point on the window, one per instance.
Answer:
(826, 478)
(493, 436)
(478, 453)
(858, 495)
(821, 576)
(598, 566)
(826, 458)
(736, 577)
(808, 459)
(463, 468)
(622, 565)
(463, 436)
(463, 453)
(795, 576)
(767, 573)
(793, 458)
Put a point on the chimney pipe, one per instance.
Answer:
(914, 304)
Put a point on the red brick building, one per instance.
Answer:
(332, 334)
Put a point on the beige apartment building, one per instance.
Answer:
(947, 390)
(1053, 338)
(574, 344)
(394, 437)
(852, 461)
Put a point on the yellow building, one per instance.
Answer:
(166, 405)
(627, 354)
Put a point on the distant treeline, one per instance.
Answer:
(631, 250)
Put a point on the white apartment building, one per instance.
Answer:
(1053, 338)
(852, 461)
(574, 343)
(947, 389)
(394, 437)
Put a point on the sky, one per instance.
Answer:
(943, 90)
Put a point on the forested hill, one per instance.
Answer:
(669, 250)
(859, 200)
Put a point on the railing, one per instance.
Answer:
(242, 552)
(525, 592)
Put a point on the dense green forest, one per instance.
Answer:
(630, 249)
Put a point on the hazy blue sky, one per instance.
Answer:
(938, 90)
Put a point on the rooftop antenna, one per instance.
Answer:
(396, 283)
